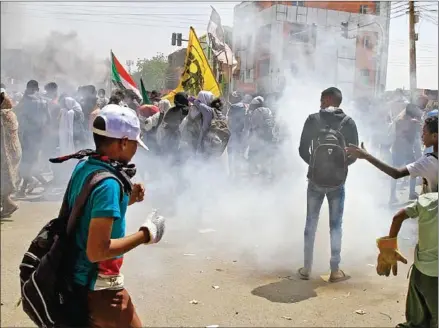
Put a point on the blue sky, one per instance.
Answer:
(140, 30)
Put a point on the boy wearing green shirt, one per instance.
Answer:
(422, 296)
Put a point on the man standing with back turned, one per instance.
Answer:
(324, 136)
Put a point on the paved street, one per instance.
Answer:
(237, 281)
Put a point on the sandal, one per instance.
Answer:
(339, 278)
(303, 274)
(9, 212)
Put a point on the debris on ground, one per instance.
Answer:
(348, 294)
(286, 318)
(219, 270)
(215, 287)
(188, 254)
(371, 265)
(212, 326)
(194, 302)
(360, 312)
(388, 316)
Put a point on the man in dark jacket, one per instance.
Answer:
(329, 115)
(34, 117)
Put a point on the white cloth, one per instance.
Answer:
(151, 122)
(164, 105)
(65, 132)
(427, 168)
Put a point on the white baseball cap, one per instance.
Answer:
(120, 122)
(2, 90)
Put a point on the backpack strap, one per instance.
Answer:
(432, 154)
(342, 123)
(92, 181)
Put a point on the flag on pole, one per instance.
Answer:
(220, 48)
(197, 74)
(146, 100)
(120, 77)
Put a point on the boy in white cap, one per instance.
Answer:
(100, 238)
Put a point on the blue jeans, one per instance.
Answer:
(314, 201)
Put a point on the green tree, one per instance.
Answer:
(152, 71)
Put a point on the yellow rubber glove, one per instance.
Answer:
(389, 256)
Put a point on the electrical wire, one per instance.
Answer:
(105, 22)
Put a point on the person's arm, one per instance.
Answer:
(410, 211)
(105, 204)
(395, 173)
(305, 140)
(351, 136)
(397, 221)
(101, 247)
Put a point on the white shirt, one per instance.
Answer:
(427, 168)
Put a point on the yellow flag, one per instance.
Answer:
(197, 74)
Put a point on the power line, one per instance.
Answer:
(94, 21)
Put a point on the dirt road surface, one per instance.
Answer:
(230, 290)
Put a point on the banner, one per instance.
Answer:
(197, 74)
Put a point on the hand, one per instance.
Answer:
(388, 257)
(191, 99)
(357, 152)
(137, 194)
(154, 226)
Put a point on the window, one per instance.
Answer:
(364, 72)
(264, 67)
(247, 74)
(366, 42)
(364, 9)
(377, 7)
(299, 3)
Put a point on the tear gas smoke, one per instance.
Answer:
(59, 57)
(263, 223)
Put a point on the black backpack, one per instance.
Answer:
(328, 166)
(47, 266)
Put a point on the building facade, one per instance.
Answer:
(342, 43)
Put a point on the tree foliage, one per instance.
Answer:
(152, 71)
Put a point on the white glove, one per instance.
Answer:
(155, 224)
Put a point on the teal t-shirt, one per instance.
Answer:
(104, 201)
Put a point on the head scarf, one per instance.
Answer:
(205, 97)
(164, 106)
(181, 99)
(71, 103)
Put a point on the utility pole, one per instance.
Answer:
(412, 38)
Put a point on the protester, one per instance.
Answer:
(155, 97)
(236, 119)
(101, 239)
(422, 297)
(102, 101)
(425, 167)
(10, 155)
(326, 175)
(34, 118)
(72, 121)
(132, 100)
(259, 133)
(169, 130)
(51, 141)
(405, 148)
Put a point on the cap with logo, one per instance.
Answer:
(120, 122)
